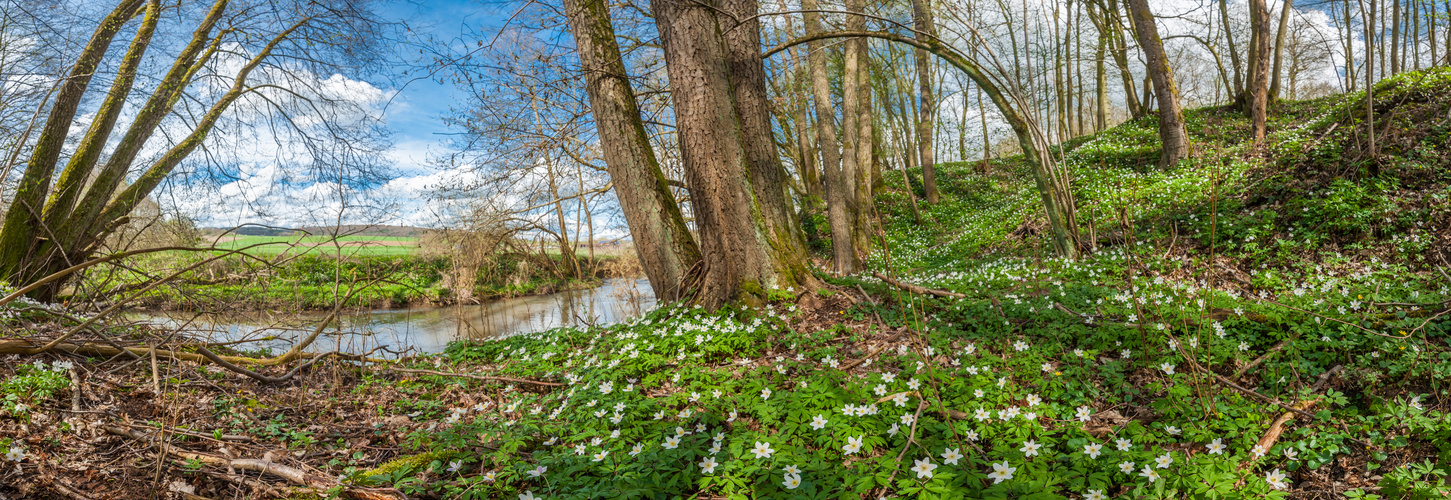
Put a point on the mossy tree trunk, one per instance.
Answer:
(739, 258)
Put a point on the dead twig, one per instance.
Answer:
(917, 289)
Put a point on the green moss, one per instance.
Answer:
(409, 463)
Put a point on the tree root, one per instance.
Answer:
(311, 483)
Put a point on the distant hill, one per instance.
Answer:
(344, 230)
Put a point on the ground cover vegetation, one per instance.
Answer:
(1253, 322)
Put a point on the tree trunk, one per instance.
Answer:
(1121, 59)
(767, 175)
(1171, 118)
(661, 238)
(844, 193)
(1100, 83)
(23, 221)
(1285, 9)
(866, 153)
(1238, 90)
(1259, 86)
(926, 141)
(738, 262)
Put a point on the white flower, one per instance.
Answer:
(635, 450)
(1291, 454)
(1020, 346)
(982, 414)
(1149, 473)
(1173, 431)
(1093, 450)
(1164, 460)
(601, 455)
(791, 481)
(528, 495)
(765, 394)
(1258, 451)
(1216, 447)
(1001, 472)
(1095, 495)
(818, 422)
(951, 456)
(1034, 400)
(538, 471)
(1084, 413)
(671, 443)
(1124, 444)
(455, 465)
(763, 450)
(15, 454)
(893, 430)
(1168, 368)
(853, 445)
(1126, 467)
(923, 468)
(707, 465)
(1030, 448)
(908, 419)
(791, 469)
(1276, 479)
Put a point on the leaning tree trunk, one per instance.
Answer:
(662, 239)
(926, 116)
(736, 256)
(1171, 118)
(20, 234)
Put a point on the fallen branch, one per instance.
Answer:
(475, 377)
(257, 376)
(314, 482)
(917, 289)
(1272, 434)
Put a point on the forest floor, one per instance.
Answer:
(1267, 323)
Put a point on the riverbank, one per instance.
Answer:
(320, 282)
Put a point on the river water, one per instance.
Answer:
(425, 329)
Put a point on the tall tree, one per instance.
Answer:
(1171, 119)
(742, 32)
(1285, 9)
(1258, 90)
(661, 238)
(49, 227)
(738, 259)
(926, 115)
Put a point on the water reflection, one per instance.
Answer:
(425, 329)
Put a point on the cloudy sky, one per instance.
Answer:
(412, 108)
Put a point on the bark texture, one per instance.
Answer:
(735, 254)
(662, 240)
(1171, 117)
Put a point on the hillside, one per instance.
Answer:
(1266, 323)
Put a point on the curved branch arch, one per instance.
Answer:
(1052, 184)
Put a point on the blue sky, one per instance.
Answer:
(414, 108)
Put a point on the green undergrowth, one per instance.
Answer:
(1001, 384)
(1272, 269)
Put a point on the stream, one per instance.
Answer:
(425, 329)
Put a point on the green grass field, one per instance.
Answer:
(355, 246)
